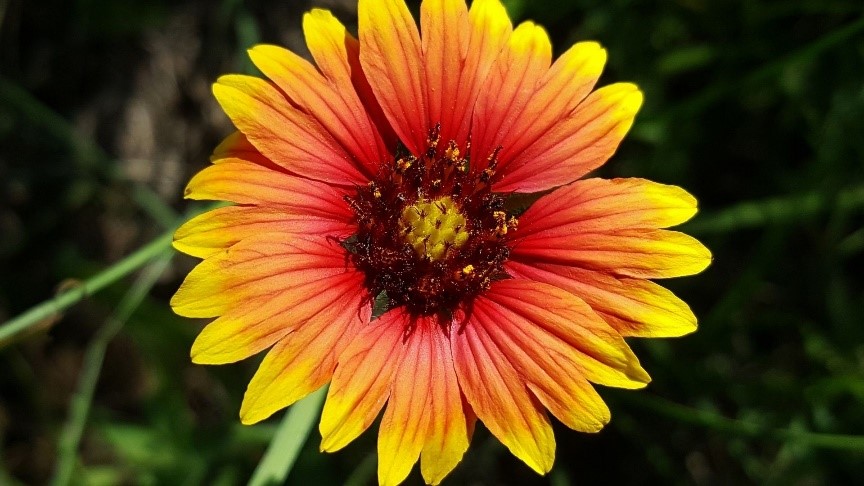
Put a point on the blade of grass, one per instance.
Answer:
(780, 210)
(79, 407)
(713, 421)
(364, 472)
(154, 206)
(289, 440)
(51, 309)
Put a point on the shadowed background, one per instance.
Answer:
(757, 108)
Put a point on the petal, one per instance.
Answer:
(339, 111)
(634, 307)
(459, 49)
(603, 356)
(330, 44)
(446, 30)
(362, 381)
(610, 226)
(263, 288)
(570, 79)
(406, 420)
(213, 231)
(546, 361)
(237, 146)
(640, 253)
(391, 58)
(245, 182)
(488, 29)
(451, 424)
(499, 397)
(601, 205)
(575, 145)
(424, 412)
(337, 54)
(510, 85)
(305, 360)
(284, 134)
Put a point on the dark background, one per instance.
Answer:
(756, 107)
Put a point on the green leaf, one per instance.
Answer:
(289, 440)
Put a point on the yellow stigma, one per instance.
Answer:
(433, 227)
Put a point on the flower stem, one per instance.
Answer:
(48, 312)
(79, 408)
(289, 440)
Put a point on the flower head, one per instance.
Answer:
(387, 169)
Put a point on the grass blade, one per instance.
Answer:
(289, 440)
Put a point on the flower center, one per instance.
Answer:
(430, 232)
(433, 228)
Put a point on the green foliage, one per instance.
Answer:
(757, 108)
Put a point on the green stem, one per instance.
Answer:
(154, 206)
(711, 420)
(289, 440)
(49, 311)
(79, 407)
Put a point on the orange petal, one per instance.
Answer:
(362, 381)
(424, 412)
(498, 395)
(284, 134)
(305, 360)
(488, 28)
(445, 28)
(511, 83)
(640, 253)
(336, 107)
(263, 287)
(601, 205)
(634, 307)
(459, 49)
(331, 45)
(244, 182)
(531, 336)
(575, 145)
(213, 231)
(337, 54)
(391, 58)
(599, 351)
(561, 89)
(237, 146)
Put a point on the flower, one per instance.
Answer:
(387, 168)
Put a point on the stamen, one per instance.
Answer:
(464, 273)
(451, 154)
(403, 164)
(376, 192)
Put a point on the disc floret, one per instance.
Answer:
(434, 228)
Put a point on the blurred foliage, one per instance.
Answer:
(756, 107)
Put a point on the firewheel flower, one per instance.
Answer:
(387, 171)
